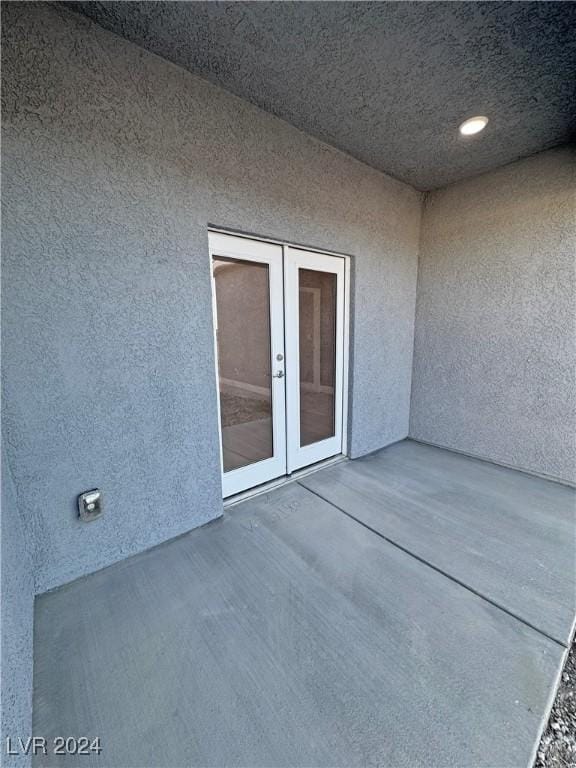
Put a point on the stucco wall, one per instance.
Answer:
(114, 163)
(495, 346)
(17, 617)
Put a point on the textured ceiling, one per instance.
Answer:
(387, 82)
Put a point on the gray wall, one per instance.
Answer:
(17, 596)
(114, 163)
(495, 347)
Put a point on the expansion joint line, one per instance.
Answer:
(438, 570)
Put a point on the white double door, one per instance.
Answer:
(279, 320)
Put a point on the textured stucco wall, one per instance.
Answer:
(16, 621)
(495, 346)
(114, 162)
(387, 82)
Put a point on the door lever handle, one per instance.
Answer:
(278, 375)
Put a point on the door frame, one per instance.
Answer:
(214, 229)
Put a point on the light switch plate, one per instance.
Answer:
(90, 505)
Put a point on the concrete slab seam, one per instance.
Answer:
(440, 570)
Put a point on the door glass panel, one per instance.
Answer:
(317, 337)
(245, 384)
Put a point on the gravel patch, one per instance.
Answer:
(558, 745)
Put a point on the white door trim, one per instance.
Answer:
(295, 259)
(229, 246)
(274, 241)
(232, 482)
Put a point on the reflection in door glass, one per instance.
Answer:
(317, 337)
(243, 333)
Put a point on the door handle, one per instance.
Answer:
(278, 375)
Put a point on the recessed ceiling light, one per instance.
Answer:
(473, 125)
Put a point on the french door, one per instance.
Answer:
(279, 323)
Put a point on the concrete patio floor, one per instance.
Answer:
(429, 631)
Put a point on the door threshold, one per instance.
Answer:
(280, 481)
